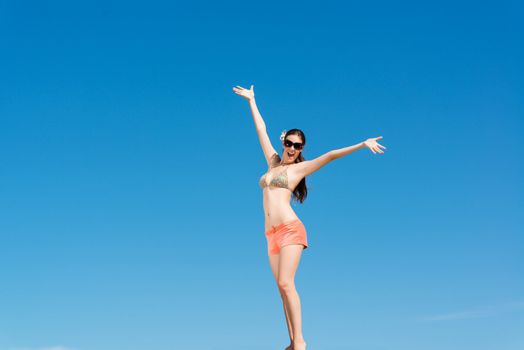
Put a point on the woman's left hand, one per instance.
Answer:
(373, 145)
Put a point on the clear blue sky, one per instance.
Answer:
(130, 212)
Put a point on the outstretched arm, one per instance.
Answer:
(308, 167)
(260, 126)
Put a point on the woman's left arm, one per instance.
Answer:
(308, 167)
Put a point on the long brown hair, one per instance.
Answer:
(300, 192)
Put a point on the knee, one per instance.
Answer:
(286, 285)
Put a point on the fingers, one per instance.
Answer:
(241, 88)
(373, 146)
(376, 146)
(239, 91)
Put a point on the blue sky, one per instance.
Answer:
(130, 212)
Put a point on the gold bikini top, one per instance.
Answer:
(279, 180)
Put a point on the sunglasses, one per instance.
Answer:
(297, 145)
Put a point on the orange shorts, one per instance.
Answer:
(290, 232)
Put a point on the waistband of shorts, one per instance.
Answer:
(273, 228)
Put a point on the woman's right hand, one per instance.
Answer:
(245, 93)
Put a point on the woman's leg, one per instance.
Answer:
(274, 262)
(288, 264)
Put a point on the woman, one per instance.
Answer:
(285, 233)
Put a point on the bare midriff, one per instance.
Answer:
(277, 203)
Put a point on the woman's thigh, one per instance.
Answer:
(274, 262)
(289, 260)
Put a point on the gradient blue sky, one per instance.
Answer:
(130, 212)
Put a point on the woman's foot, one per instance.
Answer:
(290, 347)
(299, 345)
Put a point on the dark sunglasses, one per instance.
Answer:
(297, 145)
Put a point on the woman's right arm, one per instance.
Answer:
(260, 126)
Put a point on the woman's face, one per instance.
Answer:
(290, 154)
